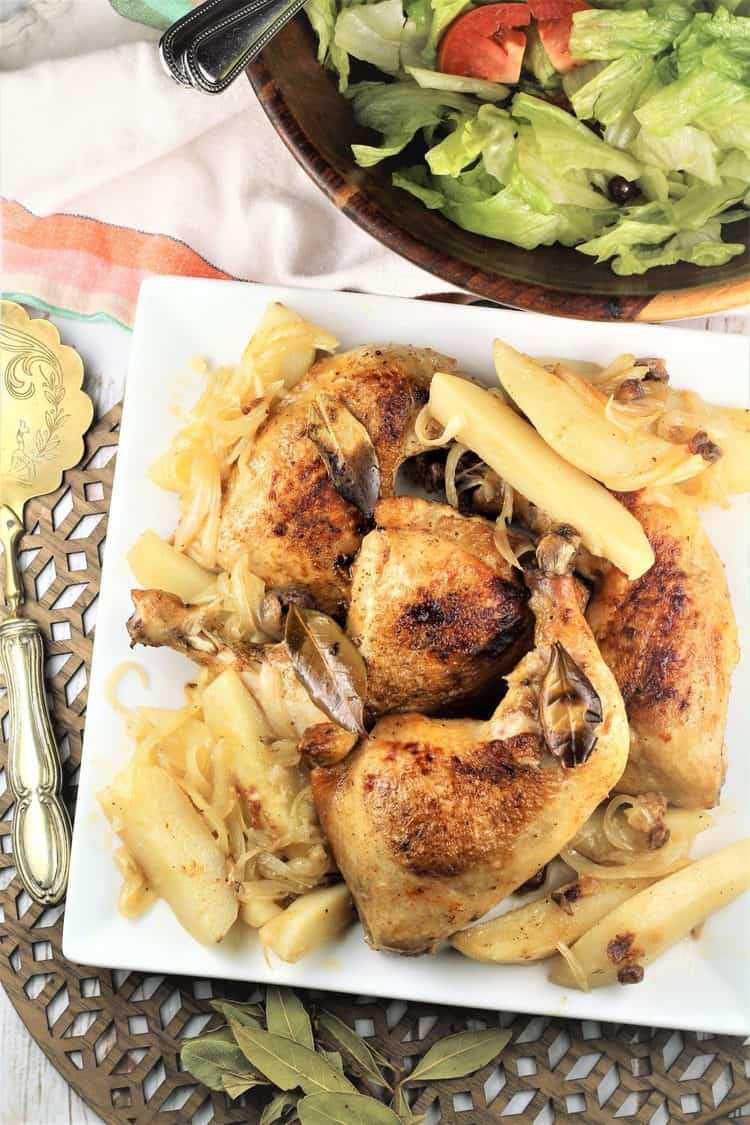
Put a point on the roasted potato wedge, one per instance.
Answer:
(570, 415)
(533, 931)
(517, 453)
(640, 929)
(309, 922)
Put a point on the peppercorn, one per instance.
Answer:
(621, 190)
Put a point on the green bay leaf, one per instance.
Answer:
(289, 1065)
(334, 1058)
(344, 1109)
(277, 1108)
(459, 1055)
(236, 1086)
(249, 1015)
(286, 1015)
(210, 1059)
(364, 1060)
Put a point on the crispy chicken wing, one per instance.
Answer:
(671, 640)
(432, 822)
(436, 612)
(283, 508)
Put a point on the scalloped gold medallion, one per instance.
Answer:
(44, 414)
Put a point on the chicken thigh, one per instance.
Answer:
(670, 638)
(432, 822)
(435, 611)
(282, 507)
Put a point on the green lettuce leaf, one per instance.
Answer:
(728, 130)
(457, 83)
(322, 16)
(700, 92)
(613, 92)
(601, 34)
(399, 110)
(491, 130)
(417, 181)
(702, 247)
(372, 33)
(444, 12)
(686, 149)
(570, 145)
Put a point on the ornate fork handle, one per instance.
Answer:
(41, 826)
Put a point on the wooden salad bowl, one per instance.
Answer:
(317, 125)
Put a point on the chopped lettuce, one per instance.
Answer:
(444, 12)
(322, 16)
(602, 34)
(568, 144)
(687, 149)
(399, 110)
(537, 61)
(684, 101)
(613, 92)
(436, 80)
(416, 181)
(490, 129)
(372, 33)
(702, 247)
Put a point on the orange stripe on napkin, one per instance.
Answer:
(84, 267)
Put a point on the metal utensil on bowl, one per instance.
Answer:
(43, 416)
(210, 46)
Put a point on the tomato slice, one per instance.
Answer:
(483, 44)
(555, 37)
(550, 9)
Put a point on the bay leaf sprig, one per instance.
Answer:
(347, 451)
(309, 1060)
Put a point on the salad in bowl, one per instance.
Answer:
(621, 130)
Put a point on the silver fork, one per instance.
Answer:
(211, 45)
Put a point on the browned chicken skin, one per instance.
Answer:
(434, 821)
(435, 611)
(283, 509)
(670, 638)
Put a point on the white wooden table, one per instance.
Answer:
(31, 1090)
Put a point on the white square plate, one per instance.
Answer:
(704, 983)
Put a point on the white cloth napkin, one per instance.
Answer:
(104, 132)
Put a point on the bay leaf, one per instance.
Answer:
(363, 1059)
(459, 1055)
(235, 1086)
(249, 1015)
(348, 452)
(286, 1015)
(333, 1057)
(328, 665)
(278, 1108)
(401, 1107)
(344, 1109)
(211, 1059)
(287, 1064)
(569, 709)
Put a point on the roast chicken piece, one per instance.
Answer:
(435, 611)
(670, 638)
(283, 508)
(434, 821)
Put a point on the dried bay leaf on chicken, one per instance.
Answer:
(328, 665)
(569, 709)
(346, 447)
